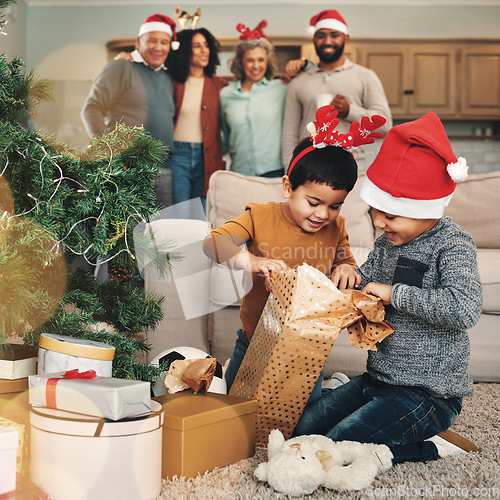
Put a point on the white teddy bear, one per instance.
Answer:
(300, 465)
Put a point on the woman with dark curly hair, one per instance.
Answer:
(252, 108)
(197, 151)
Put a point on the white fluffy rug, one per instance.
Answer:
(475, 475)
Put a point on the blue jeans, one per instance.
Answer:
(188, 172)
(369, 411)
(240, 348)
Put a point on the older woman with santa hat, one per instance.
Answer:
(252, 107)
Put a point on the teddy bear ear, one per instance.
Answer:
(276, 442)
(326, 459)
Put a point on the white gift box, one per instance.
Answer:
(9, 440)
(17, 361)
(59, 353)
(80, 457)
(112, 398)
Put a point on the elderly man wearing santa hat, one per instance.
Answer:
(138, 93)
(354, 90)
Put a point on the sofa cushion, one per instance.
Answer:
(229, 193)
(488, 260)
(474, 206)
(358, 223)
(485, 349)
(186, 304)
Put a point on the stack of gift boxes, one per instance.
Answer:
(95, 436)
(87, 427)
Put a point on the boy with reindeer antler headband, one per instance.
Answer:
(306, 227)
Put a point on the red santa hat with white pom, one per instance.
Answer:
(159, 22)
(329, 19)
(416, 172)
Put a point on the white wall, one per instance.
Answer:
(53, 31)
(14, 43)
(64, 42)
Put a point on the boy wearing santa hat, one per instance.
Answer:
(424, 269)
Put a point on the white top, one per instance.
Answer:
(188, 125)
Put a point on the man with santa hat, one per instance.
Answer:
(354, 90)
(138, 93)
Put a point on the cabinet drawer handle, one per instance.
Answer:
(408, 92)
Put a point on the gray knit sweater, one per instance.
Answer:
(436, 296)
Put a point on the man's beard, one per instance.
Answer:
(330, 57)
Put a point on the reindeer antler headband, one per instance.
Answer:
(257, 33)
(183, 17)
(323, 132)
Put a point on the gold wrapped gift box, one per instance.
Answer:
(295, 334)
(204, 431)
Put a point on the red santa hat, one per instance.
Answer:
(415, 173)
(159, 22)
(329, 19)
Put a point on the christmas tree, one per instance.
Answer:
(62, 212)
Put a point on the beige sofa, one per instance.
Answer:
(208, 295)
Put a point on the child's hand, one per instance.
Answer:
(379, 290)
(260, 265)
(264, 267)
(345, 276)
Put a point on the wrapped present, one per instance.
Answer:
(9, 440)
(83, 392)
(295, 334)
(205, 430)
(14, 400)
(59, 353)
(10, 388)
(77, 456)
(15, 412)
(21, 452)
(17, 361)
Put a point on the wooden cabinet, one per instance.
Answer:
(416, 78)
(480, 78)
(457, 79)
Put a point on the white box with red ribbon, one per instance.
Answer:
(83, 392)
